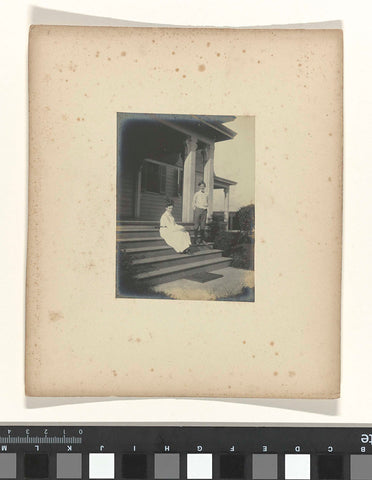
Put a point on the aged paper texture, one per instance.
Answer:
(81, 339)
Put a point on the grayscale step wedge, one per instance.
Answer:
(169, 274)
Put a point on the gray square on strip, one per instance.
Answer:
(8, 465)
(167, 466)
(361, 467)
(265, 466)
(68, 465)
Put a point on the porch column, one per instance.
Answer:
(226, 206)
(209, 177)
(189, 179)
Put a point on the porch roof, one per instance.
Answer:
(220, 182)
(205, 127)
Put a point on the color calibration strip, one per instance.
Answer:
(199, 467)
(204, 453)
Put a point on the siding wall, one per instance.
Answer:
(125, 194)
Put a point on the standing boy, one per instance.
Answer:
(200, 206)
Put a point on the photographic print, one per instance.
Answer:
(185, 207)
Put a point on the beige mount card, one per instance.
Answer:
(185, 209)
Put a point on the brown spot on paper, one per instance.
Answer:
(55, 316)
(291, 373)
(275, 374)
(201, 68)
(123, 54)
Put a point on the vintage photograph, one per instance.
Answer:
(185, 207)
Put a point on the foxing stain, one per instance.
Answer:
(201, 68)
(291, 373)
(275, 374)
(272, 343)
(55, 316)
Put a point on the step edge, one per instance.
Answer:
(164, 258)
(186, 266)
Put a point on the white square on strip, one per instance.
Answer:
(297, 467)
(199, 466)
(101, 465)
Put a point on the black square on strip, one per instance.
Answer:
(36, 465)
(330, 467)
(232, 466)
(134, 465)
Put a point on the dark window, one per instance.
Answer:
(153, 177)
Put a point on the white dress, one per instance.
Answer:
(174, 235)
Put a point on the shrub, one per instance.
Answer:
(127, 284)
(126, 281)
(226, 241)
(215, 227)
(246, 218)
(243, 256)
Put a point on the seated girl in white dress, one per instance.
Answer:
(174, 235)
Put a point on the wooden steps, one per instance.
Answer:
(168, 274)
(155, 262)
